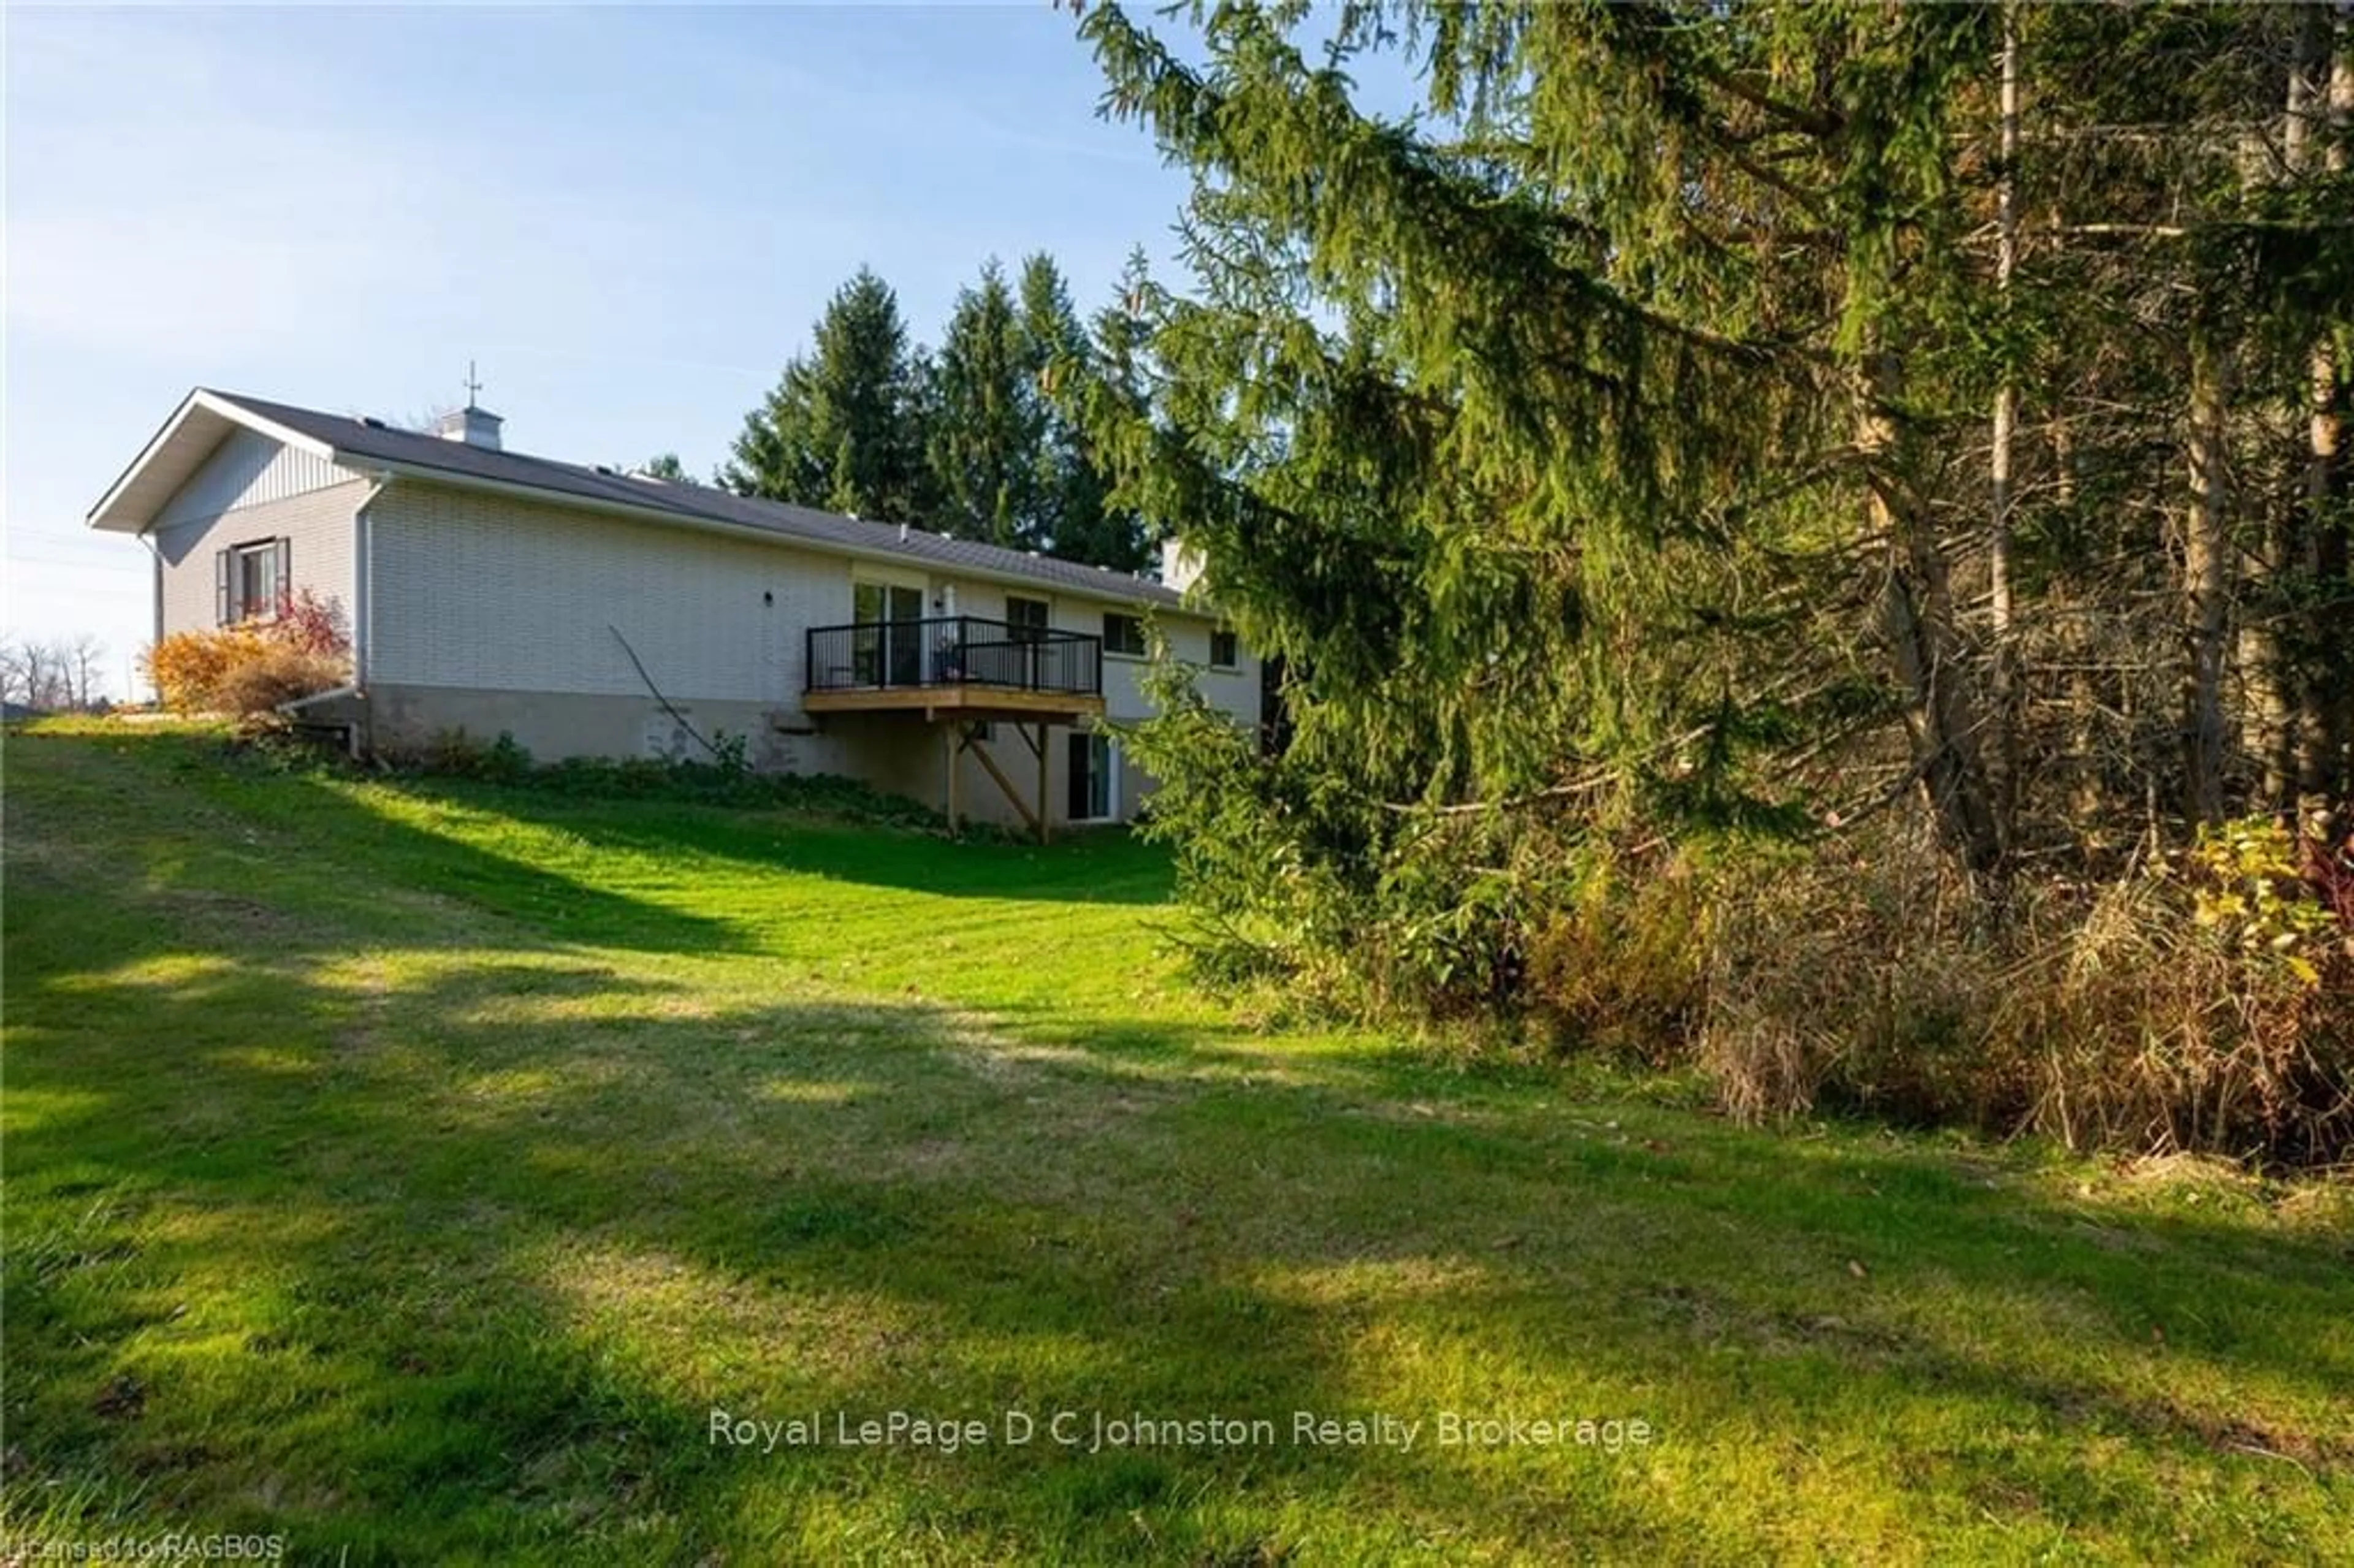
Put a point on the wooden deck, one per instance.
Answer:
(969, 701)
(961, 672)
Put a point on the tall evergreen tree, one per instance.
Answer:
(840, 430)
(1078, 519)
(1073, 357)
(1623, 414)
(1055, 345)
(990, 423)
(1121, 380)
(1605, 448)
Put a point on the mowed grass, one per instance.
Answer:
(412, 1170)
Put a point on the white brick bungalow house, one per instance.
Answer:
(588, 613)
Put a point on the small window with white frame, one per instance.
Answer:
(1225, 651)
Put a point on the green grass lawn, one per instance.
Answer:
(412, 1170)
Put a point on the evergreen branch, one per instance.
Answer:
(1821, 124)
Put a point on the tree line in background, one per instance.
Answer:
(973, 439)
(1807, 538)
(58, 675)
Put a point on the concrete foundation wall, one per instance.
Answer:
(896, 753)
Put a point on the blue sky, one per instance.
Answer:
(628, 218)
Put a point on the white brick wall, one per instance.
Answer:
(496, 594)
(1188, 638)
(492, 601)
(477, 591)
(319, 522)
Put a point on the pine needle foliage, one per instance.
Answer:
(1588, 405)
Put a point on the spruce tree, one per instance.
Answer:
(1620, 416)
(1075, 516)
(1115, 372)
(841, 429)
(990, 424)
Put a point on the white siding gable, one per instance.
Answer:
(250, 490)
(248, 469)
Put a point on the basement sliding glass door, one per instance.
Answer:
(1095, 768)
(892, 653)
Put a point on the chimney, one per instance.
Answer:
(475, 426)
(1180, 567)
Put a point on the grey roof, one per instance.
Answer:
(362, 442)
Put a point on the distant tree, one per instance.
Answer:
(1112, 355)
(1076, 516)
(59, 676)
(15, 673)
(666, 466)
(990, 421)
(84, 655)
(840, 428)
(922, 419)
(982, 438)
(1013, 460)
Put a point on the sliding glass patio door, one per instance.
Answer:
(892, 654)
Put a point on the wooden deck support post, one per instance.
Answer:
(950, 733)
(1041, 748)
(1005, 786)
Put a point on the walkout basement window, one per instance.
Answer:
(1123, 634)
(251, 580)
(1224, 652)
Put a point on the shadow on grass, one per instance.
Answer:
(246, 845)
(461, 1265)
(1089, 866)
(335, 1214)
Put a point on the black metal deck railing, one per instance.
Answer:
(954, 651)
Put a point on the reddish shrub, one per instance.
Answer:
(310, 624)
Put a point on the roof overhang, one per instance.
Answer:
(385, 469)
(173, 455)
